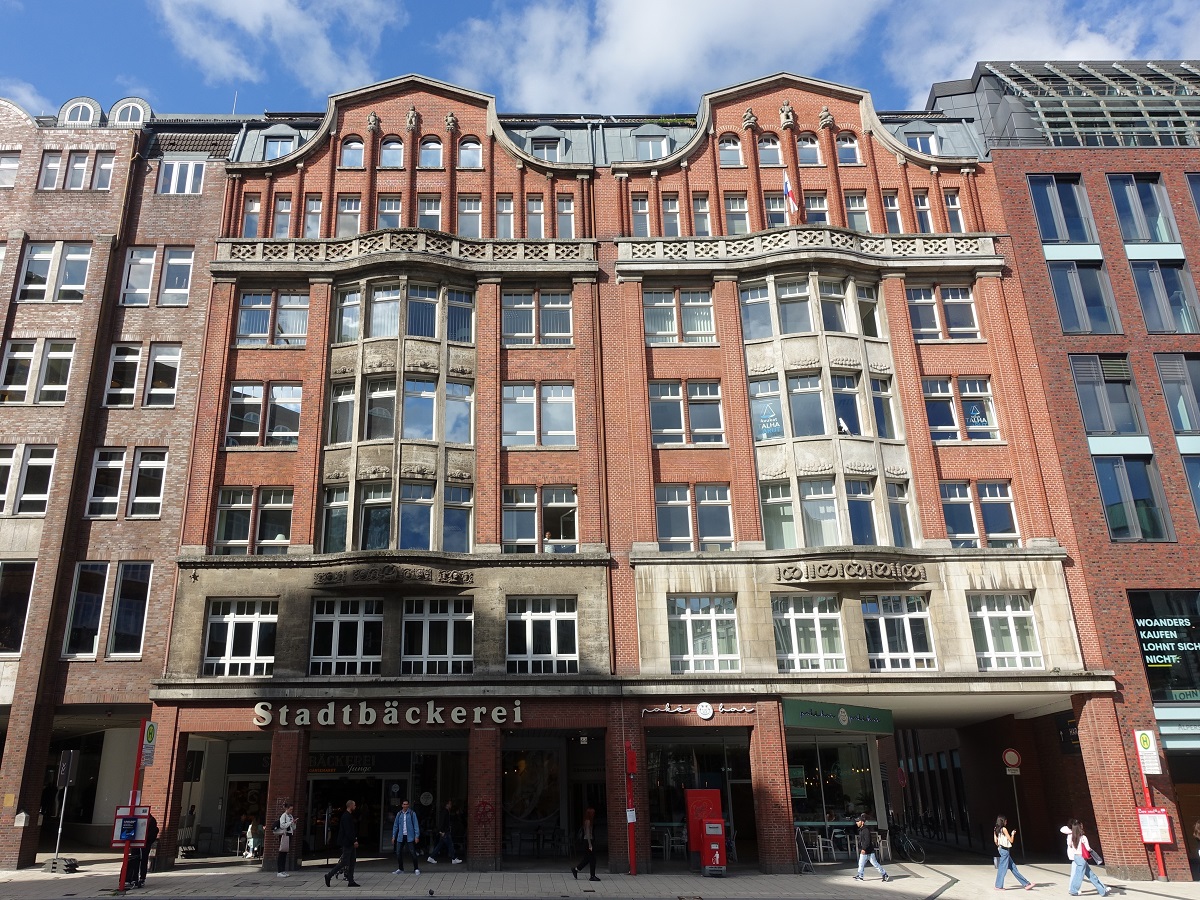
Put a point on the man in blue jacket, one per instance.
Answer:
(405, 832)
(348, 841)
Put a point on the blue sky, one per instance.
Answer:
(550, 56)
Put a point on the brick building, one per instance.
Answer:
(530, 448)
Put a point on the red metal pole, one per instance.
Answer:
(630, 771)
(1162, 872)
(133, 792)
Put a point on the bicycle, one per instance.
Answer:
(907, 846)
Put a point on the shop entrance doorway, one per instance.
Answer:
(373, 811)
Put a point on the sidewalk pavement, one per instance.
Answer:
(961, 879)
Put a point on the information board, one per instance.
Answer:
(1168, 632)
(1155, 823)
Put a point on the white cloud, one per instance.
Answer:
(325, 45)
(26, 96)
(632, 56)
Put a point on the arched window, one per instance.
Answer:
(79, 114)
(729, 149)
(391, 153)
(808, 149)
(431, 154)
(470, 154)
(768, 151)
(129, 114)
(352, 153)
(847, 148)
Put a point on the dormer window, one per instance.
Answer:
(277, 147)
(545, 149)
(79, 114)
(352, 153)
(129, 114)
(651, 148)
(922, 143)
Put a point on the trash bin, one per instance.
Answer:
(712, 848)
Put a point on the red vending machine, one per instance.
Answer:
(712, 853)
(702, 803)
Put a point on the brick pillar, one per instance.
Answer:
(485, 817)
(25, 753)
(162, 783)
(777, 852)
(288, 782)
(624, 724)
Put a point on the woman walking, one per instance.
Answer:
(1004, 841)
(589, 846)
(1081, 855)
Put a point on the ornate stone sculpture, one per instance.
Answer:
(413, 119)
(826, 118)
(749, 120)
(451, 122)
(787, 116)
(372, 121)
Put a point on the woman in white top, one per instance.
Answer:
(1004, 841)
(285, 827)
(1081, 854)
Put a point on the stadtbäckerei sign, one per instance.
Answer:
(387, 712)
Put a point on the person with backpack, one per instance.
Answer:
(284, 827)
(1003, 838)
(1081, 855)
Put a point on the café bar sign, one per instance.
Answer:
(388, 713)
(835, 717)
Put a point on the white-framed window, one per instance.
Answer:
(881, 404)
(565, 224)
(808, 149)
(808, 632)
(922, 211)
(349, 215)
(312, 216)
(535, 224)
(379, 422)
(542, 636)
(102, 172)
(768, 151)
(818, 512)
(701, 424)
(504, 217)
(240, 638)
(775, 206)
(235, 509)
(277, 147)
(278, 318)
(335, 519)
(679, 317)
(898, 632)
(139, 276)
(1132, 496)
(816, 208)
(729, 150)
(48, 176)
(162, 375)
(281, 217)
(560, 519)
(55, 272)
(10, 160)
(545, 149)
(557, 415)
(388, 215)
(518, 412)
(420, 407)
(460, 403)
(341, 412)
(470, 215)
(847, 149)
(891, 212)
(756, 312)
(996, 509)
(1062, 211)
(181, 176)
(1167, 297)
(17, 369)
(429, 211)
(76, 171)
(456, 519)
(539, 317)
(251, 213)
(1004, 631)
(347, 637)
(939, 409)
(415, 530)
(701, 224)
(123, 364)
(946, 312)
(898, 514)
(391, 153)
(108, 467)
(87, 605)
(352, 153)
(978, 409)
(673, 515)
(128, 622)
(640, 212)
(383, 319)
(274, 528)
(37, 470)
(954, 215)
(778, 515)
(737, 214)
(650, 147)
(375, 515)
(765, 409)
(860, 503)
(7, 455)
(714, 517)
(856, 211)
(518, 519)
(922, 143)
(244, 423)
(55, 373)
(421, 312)
(670, 215)
(149, 478)
(958, 510)
(470, 153)
(460, 316)
(833, 304)
(438, 636)
(868, 309)
(702, 633)
(795, 311)
(283, 415)
(1143, 209)
(845, 402)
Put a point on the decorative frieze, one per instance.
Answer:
(850, 570)
(391, 572)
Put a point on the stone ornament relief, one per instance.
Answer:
(390, 572)
(853, 570)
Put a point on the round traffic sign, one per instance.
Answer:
(1011, 758)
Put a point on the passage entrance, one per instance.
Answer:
(373, 811)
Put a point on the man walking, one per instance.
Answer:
(445, 838)
(405, 831)
(866, 848)
(348, 841)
